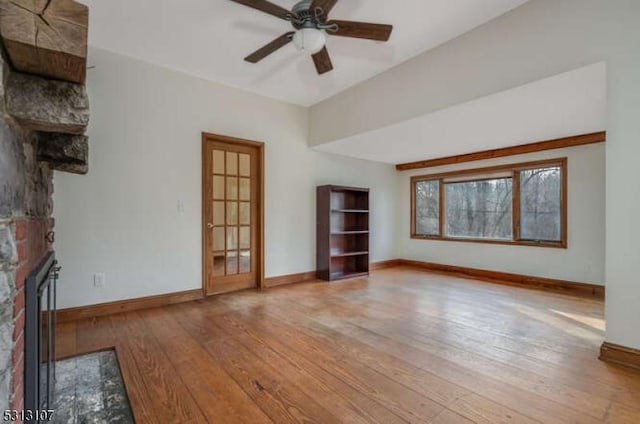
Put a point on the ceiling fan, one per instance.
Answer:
(310, 19)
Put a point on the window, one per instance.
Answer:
(541, 204)
(515, 204)
(428, 207)
(479, 209)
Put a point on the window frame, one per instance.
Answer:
(514, 169)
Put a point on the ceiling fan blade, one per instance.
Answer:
(378, 32)
(322, 61)
(266, 7)
(325, 5)
(265, 51)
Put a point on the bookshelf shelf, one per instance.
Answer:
(350, 210)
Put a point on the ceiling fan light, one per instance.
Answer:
(309, 40)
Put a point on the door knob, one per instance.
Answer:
(209, 225)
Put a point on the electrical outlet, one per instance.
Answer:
(99, 280)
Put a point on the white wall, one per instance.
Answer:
(582, 261)
(564, 105)
(537, 40)
(145, 141)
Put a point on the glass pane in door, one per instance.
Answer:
(245, 213)
(232, 188)
(245, 237)
(218, 161)
(232, 238)
(245, 261)
(218, 238)
(218, 187)
(232, 213)
(245, 165)
(231, 220)
(218, 213)
(245, 189)
(232, 163)
(232, 262)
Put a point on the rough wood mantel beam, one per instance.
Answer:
(46, 37)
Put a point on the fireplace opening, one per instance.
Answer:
(39, 332)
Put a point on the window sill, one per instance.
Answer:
(548, 244)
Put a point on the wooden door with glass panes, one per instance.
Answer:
(231, 214)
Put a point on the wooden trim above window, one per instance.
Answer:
(481, 173)
(520, 166)
(558, 143)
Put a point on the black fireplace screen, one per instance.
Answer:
(40, 325)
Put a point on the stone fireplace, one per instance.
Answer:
(26, 187)
(43, 116)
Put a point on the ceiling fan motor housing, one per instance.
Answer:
(304, 17)
(302, 7)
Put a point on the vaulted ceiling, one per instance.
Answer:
(210, 38)
(563, 105)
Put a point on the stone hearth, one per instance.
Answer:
(89, 389)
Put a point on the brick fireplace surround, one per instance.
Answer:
(31, 245)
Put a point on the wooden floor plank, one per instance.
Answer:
(449, 417)
(410, 405)
(324, 385)
(400, 346)
(591, 397)
(224, 402)
(135, 386)
(335, 350)
(560, 398)
(278, 397)
(165, 390)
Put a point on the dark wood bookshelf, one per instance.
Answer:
(344, 275)
(340, 254)
(342, 232)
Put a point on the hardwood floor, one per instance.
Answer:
(402, 346)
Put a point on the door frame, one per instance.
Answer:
(210, 137)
